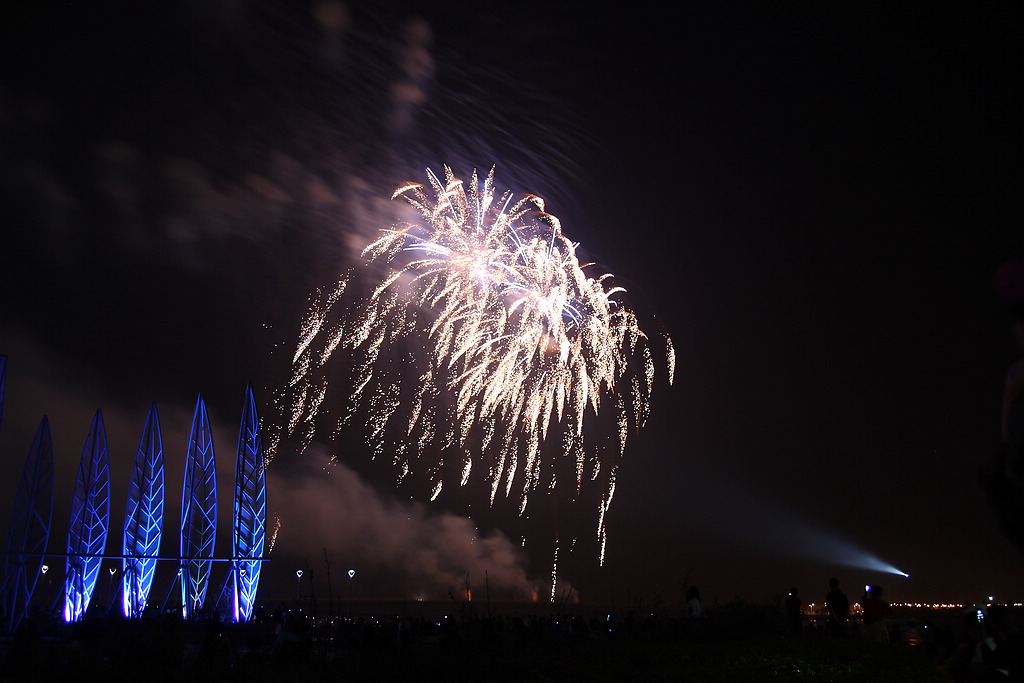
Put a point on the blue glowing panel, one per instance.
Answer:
(198, 513)
(250, 518)
(90, 516)
(143, 519)
(3, 380)
(30, 527)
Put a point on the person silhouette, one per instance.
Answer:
(1001, 475)
(1000, 651)
(794, 623)
(876, 613)
(694, 605)
(838, 609)
(1009, 286)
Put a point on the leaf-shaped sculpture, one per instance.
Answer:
(90, 517)
(250, 516)
(143, 519)
(30, 527)
(198, 513)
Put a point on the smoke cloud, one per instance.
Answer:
(397, 547)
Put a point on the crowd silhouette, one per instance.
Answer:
(976, 646)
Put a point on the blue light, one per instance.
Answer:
(250, 510)
(819, 544)
(198, 513)
(87, 529)
(24, 559)
(143, 519)
(30, 526)
(784, 532)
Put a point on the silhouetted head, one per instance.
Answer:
(1017, 324)
(692, 593)
(1009, 286)
(793, 591)
(833, 583)
(1008, 282)
(999, 622)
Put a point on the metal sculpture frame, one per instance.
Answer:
(250, 511)
(198, 514)
(90, 519)
(143, 519)
(30, 527)
(88, 526)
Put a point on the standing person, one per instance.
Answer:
(876, 615)
(794, 623)
(1009, 285)
(694, 605)
(1000, 654)
(838, 608)
(999, 476)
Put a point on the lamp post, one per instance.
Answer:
(298, 585)
(43, 568)
(110, 589)
(351, 574)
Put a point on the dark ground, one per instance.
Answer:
(737, 642)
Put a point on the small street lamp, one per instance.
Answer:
(298, 585)
(110, 589)
(351, 574)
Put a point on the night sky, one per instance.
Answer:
(812, 205)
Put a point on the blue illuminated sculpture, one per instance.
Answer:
(143, 519)
(30, 527)
(198, 514)
(90, 517)
(250, 511)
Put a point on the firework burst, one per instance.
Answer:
(480, 343)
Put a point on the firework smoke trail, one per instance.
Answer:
(480, 332)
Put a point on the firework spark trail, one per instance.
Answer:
(482, 319)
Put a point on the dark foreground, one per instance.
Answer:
(737, 643)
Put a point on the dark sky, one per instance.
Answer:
(812, 205)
